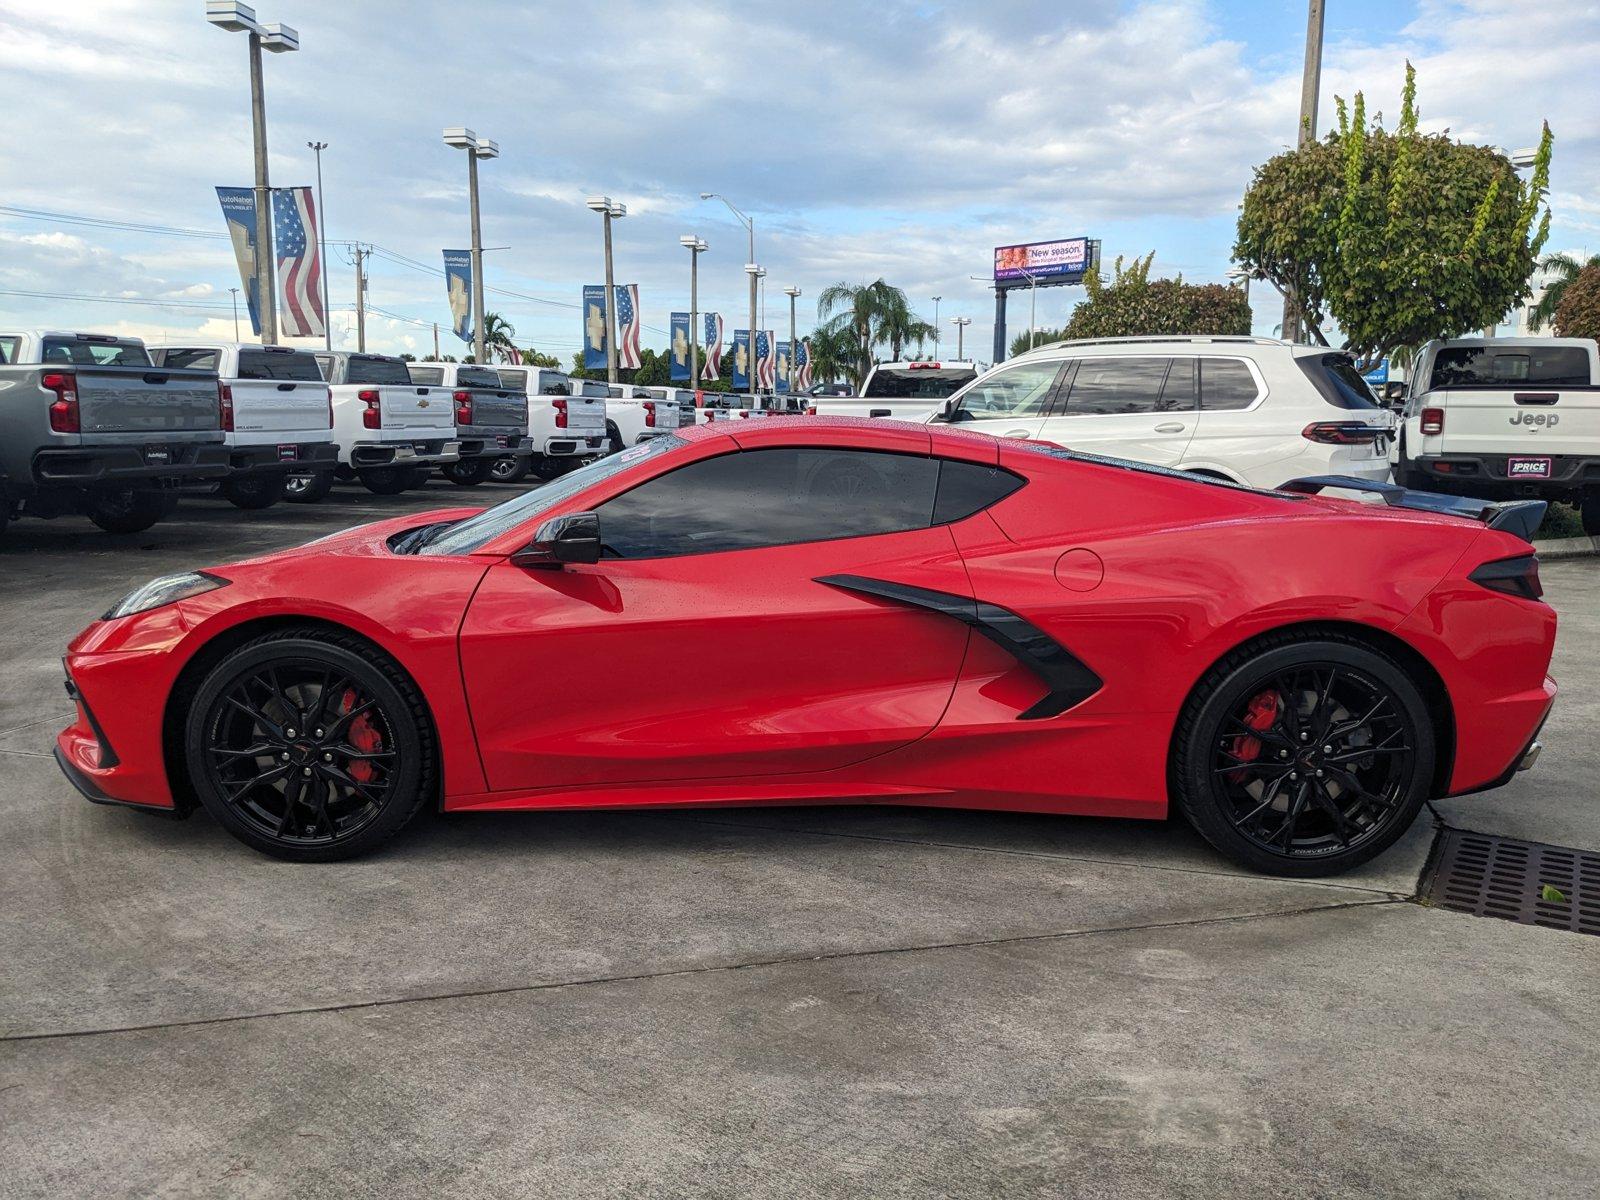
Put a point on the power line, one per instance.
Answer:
(200, 306)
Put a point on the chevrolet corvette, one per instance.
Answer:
(801, 611)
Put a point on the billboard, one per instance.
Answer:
(1063, 260)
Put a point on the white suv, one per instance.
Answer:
(1252, 410)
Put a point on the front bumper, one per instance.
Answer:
(153, 462)
(420, 453)
(87, 751)
(283, 457)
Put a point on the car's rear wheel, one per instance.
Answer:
(252, 492)
(469, 472)
(386, 481)
(512, 469)
(308, 487)
(614, 443)
(130, 511)
(1304, 756)
(309, 746)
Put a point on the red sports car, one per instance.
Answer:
(805, 611)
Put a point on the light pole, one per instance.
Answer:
(609, 210)
(1310, 86)
(752, 378)
(936, 300)
(322, 230)
(794, 294)
(750, 264)
(280, 39)
(1242, 277)
(476, 147)
(696, 246)
(235, 292)
(961, 324)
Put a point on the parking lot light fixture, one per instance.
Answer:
(961, 324)
(232, 17)
(609, 211)
(696, 246)
(459, 137)
(750, 263)
(794, 294)
(936, 300)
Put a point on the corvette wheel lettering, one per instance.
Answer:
(1070, 681)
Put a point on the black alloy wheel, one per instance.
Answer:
(387, 481)
(1306, 759)
(511, 469)
(309, 747)
(254, 492)
(129, 510)
(469, 472)
(307, 487)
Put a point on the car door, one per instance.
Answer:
(704, 644)
(1010, 401)
(1139, 407)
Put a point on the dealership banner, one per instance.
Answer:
(628, 322)
(802, 365)
(594, 325)
(458, 285)
(712, 370)
(766, 359)
(741, 360)
(239, 211)
(1064, 260)
(783, 366)
(294, 241)
(681, 336)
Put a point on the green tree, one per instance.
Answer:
(1578, 315)
(1561, 269)
(873, 314)
(1397, 237)
(498, 337)
(833, 354)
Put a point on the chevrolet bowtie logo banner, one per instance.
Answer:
(681, 337)
(239, 210)
(785, 365)
(458, 283)
(741, 360)
(712, 370)
(594, 325)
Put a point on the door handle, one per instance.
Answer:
(1170, 427)
(1021, 433)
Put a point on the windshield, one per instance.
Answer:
(924, 384)
(474, 533)
(376, 370)
(101, 353)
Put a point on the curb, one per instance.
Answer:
(1570, 547)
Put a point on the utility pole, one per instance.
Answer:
(936, 300)
(1310, 86)
(794, 294)
(436, 341)
(751, 380)
(361, 303)
(235, 292)
(322, 231)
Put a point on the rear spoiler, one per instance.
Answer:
(1519, 517)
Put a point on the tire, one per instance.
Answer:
(614, 438)
(386, 481)
(129, 511)
(419, 476)
(253, 492)
(513, 469)
(549, 468)
(1588, 513)
(469, 472)
(308, 488)
(1263, 793)
(1408, 476)
(336, 790)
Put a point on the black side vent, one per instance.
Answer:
(1527, 882)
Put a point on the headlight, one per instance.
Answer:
(168, 589)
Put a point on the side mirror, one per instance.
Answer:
(574, 538)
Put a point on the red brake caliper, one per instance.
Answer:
(363, 736)
(1261, 713)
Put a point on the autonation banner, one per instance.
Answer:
(784, 361)
(239, 210)
(458, 283)
(681, 337)
(594, 325)
(1044, 260)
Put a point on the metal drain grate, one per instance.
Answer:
(1491, 876)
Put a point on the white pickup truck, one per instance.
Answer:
(88, 424)
(906, 391)
(277, 414)
(1505, 417)
(491, 420)
(392, 433)
(566, 418)
(637, 413)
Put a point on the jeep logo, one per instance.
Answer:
(1536, 419)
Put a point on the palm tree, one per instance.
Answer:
(874, 314)
(497, 336)
(1560, 269)
(833, 353)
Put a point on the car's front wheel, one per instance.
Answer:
(1304, 755)
(130, 511)
(309, 745)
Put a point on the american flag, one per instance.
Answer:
(713, 369)
(294, 235)
(628, 326)
(766, 359)
(802, 362)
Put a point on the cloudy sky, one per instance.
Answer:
(895, 138)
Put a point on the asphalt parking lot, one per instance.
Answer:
(784, 1002)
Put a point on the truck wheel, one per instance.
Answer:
(308, 488)
(129, 511)
(469, 472)
(549, 468)
(386, 481)
(509, 470)
(614, 436)
(419, 476)
(252, 492)
(1588, 513)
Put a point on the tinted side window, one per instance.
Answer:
(432, 376)
(968, 487)
(1226, 384)
(774, 497)
(1104, 386)
(1336, 377)
(8, 349)
(275, 364)
(1020, 391)
(193, 360)
(516, 380)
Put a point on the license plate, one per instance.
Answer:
(1527, 468)
(502, 441)
(288, 453)
(157, 455)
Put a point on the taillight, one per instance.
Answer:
(1433, 420)
(463, 408)
(1341, 433)
(225, 406)
(811, 410)
(649, 412)
(64, 415)
(372, 415)
(561, 413)
(1514, 576)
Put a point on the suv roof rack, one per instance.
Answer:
(1236, 339)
